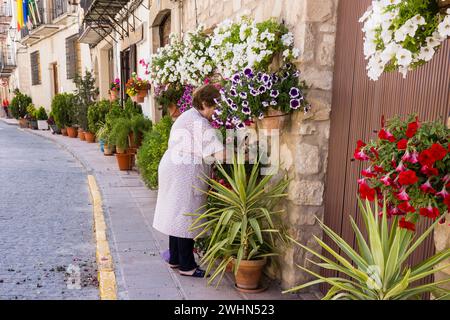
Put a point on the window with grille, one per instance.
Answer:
(72, 56)
(35, 68)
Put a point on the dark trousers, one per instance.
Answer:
(182, 253)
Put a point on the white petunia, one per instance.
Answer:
(404, 57)
(426, 53)
(444, 27)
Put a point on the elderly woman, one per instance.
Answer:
(193, 144)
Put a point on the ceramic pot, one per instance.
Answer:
(174, 112)
(72, 132)
(64, 132)
(90, 137)
(249, 274)
(42, 124)
(23, 123)
(273, 120)
(124, 161)
(107, 150)
(113, 96)
(81, 135)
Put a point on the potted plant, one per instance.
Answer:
(103, 135)
(139, 126)
(96, 118)
(378, 269)
(85, 96)
(42, 117)
(270, 98)
(137, 88)
(114, 90)
(119, 137)
(18, 107)
(153, 147)
(242, 223)
(167, 96)
(31, 117)
(63, 113)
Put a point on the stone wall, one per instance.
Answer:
(304, 143)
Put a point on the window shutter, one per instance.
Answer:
(35, 68)
(72, 56)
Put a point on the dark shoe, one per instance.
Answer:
(174, 266)
(198, 273)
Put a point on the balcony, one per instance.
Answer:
(7, 62)
(61, 14)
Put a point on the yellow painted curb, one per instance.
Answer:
(106, 277)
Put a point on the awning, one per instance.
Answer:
(103, 17)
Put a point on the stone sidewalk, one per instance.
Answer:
(136, 246)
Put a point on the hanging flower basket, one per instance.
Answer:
(113, 96)
(173, 111)
(274, 120)
(137, 88)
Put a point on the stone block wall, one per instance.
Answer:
(304, 142)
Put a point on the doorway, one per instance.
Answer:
(54, 71)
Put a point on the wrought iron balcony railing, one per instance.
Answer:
(7, 59)
(59, 8)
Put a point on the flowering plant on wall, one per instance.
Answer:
(163, 64)
(235, 46)
(136, 84)
(250, 94)
(195, 65)
(115, 85)
(402, 35)
(408, 164)
(186, 100)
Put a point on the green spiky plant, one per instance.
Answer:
(240, 220)
(379, 269)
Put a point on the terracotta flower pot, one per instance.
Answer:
(249, 274)
(72, 132)
(174, 112)
(273, 120)
(23, 123)
(90, 137)
(81, 135)
(107, 150)
(124, 160)
(64, 132)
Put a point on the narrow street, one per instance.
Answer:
(47, 248)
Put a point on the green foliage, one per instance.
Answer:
(97, 115)
(31, 112)
(63, 109)
(131, 109)
(240, 218)
(139, 126)
(379, 269)
(19, 104)
(119, 133)
(85, 95)
(41, 114)
(154, 146)
(169, 95)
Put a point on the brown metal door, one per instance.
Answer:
(358, 105)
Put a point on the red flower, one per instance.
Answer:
(429, 171)
(438, 152)
(403, 224)
(406, 207)
(412, 128)
(386, 135)
(411, 157)
(359, 154)
(375, 152)
(407, 178)
(402, 144)
(368, 173)
(366, 192)
(426, 158)
(430, 212)
(427, 188)
(379, 169)
(387, 181)
(443, 194)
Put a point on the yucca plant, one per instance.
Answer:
(239, 221)
(379, 269)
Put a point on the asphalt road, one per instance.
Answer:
(47, 248)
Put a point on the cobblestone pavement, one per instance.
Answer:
(47, 247)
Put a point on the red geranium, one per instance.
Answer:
(412, 128)
(407, 178)
(426, 158)
(407, 225)
(438, 152)
(402, 144)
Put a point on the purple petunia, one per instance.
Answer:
(294, 93)
(243, 95)
(254, 93)
(234, 106)
(265, 104)
(265, 78)
(248, 72)
(295, 104)
(274, 93)
(240, 126)
(229, 102)
(246, 110)
(261, 116)
(236, 78)
(233, 92)
(245, 104)
(273, 103)
(262, 89)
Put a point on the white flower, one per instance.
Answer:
(404, 57)
(444, 27)
(400, 34)
(426, 53)
(288, 39)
